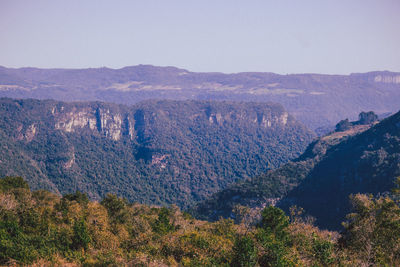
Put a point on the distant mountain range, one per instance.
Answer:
(362, 159)
(317, 100)
(156, 152)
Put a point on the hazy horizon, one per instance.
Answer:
(285, 37)
(294, 73)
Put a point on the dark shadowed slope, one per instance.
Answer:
(320, 181)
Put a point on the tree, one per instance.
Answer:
(372, 232)
(244, 252)
(79, 197)
(396, 189)
(116, 208)
(367, 117)
(162, 225)
(343, 125)
(274, 238)
(274, 220)
(81, 238)
(10, 182)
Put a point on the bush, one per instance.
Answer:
(244, 252)
(81, 238)
(323, 251)
(274, 220)
(10, 182)
(116, 208)
(79, 197)
(162, 225)
(343, 125)
(367, 117)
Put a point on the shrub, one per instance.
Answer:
(244, 252)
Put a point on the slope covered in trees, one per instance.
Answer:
(361, 159)
(157, 152)
(41, 229)
(317, 100)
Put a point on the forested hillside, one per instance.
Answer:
(156, 152)
(361, 159)
(40, 228)
(317, 100)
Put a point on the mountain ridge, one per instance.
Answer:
(363, 159)
(334, 96)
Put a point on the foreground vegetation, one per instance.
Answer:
(41, 228)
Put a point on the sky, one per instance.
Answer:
(281, 36)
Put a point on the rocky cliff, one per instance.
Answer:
(317, 100)
(115, 124)
(154, 152)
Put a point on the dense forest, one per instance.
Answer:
(364, 158)
(40, 228)
(156, 152)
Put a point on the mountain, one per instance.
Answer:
(317, 100)
(156, 152)
(362, 159)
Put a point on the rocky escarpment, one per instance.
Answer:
(115, 124)
(96, 119)
(387, 78)
(157, 152)
(317, 100)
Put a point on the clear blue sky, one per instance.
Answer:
(282, 36)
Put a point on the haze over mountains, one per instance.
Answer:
(191, 143)
(156, 152)
(315, 99)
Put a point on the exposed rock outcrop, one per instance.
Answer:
(387, 78)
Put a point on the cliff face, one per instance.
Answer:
(115, 124)
(155, 152)
(317, 100)
(101, 120)
(387, 79)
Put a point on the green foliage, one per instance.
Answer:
(162, 225)
(169, 152)
(39, 228)
(116, 207)
(81, 237)
(244, 252)
(14, 244)
(363, 160)
(396, 188)
(276, 251)
(372, 232)
(275, 221)
(11, 182)
(78, 196)
(274, 237)
(323, 251)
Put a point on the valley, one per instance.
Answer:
(199, 133)
(156, 152)
(362, 159)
